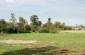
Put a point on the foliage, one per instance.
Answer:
(26, 29)
(67, 28)
(54, 30)
(11, 28)
(22, 20)
(3, 25)
(34, 20)
(13, 19)
(36, 25)
(43, 30)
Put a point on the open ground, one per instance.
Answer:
(42, 44)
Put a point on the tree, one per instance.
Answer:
(3, 25)
(20, 27)
(22, 20)
(49, 23)
(36, 26)
(27, 28)
(68, 28)
(34, 20)
(46, 27)
(57, 24)
(12, 25)
(63, 26)
(39, 23)
(11, 28)
(49, 20)
(21, 24)
(13, 19)
(35, 23)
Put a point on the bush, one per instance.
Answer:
(46, 30)
(27, 29)
(58, 30)
(54, 30)
(43, 30)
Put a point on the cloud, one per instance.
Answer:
(11, 1)
(27, 2)
(72, 9)
(39, 2)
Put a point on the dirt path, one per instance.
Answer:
(18, 41)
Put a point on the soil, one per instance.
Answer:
(73, 31)
(18, 41)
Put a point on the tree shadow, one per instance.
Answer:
(49, 50)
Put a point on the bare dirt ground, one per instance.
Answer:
(78, 53)
(73, 31)
(18, 41)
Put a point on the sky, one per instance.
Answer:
(71, 12)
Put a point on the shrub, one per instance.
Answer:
(27, 28)
(54, 30)
(43, 30)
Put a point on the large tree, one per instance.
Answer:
(22, 25)
(34, 20)
(35, 23)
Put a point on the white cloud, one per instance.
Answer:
(32, 2)
(11, 1)
(45, 8)
(35, 2)
(23, 2)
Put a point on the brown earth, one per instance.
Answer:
(18, 41)
(73, 31)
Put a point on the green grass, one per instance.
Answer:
(72, 41)
(24, 50)
(8, 48)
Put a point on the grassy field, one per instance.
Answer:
(71, 41)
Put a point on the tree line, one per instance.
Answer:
(36, 25)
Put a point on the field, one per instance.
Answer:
(47, 44)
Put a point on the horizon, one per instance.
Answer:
(71, 12)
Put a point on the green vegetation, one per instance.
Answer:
(8, 48)
(19, 50)
(69, 41)
(48, 35)
(66, 40)
(21, 25)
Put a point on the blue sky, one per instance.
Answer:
(71, 12)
